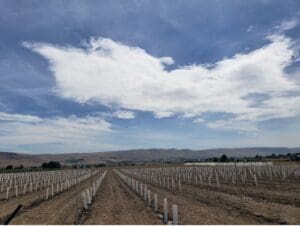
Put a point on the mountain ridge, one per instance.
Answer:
(151, 154)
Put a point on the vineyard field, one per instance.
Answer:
(172, 194)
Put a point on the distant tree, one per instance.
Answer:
(51, 165)
(34, 168)
(100, 165)
(223, 158)
(231, 159)
(295, 157)
(9, 167)
(45, 165)
(258, 157)
(273, 156)
(215, 159)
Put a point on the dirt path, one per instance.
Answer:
(117, 204)
(61, 209)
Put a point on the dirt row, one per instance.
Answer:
(261, 211)
(204, 205)
(27, 200)
(114, 203)
(60, 209)
(287, 196)
(117, 204)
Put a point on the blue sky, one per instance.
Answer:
(82, 76)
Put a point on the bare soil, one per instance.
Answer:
(117, 204)
(237, 204)
(27, 200)
(61, 209)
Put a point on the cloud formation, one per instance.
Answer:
(250, 28)
(6, 117)
(17, 130)
(288, 24)
(113, 73)
(124, 114)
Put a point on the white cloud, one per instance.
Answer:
(31, 130)
(124, 114)
(250, 28)
(113, 73)
(163, 114)
(19, 118)
(240, 125)
(199, 120)
(288, 24)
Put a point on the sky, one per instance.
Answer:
(87, 76)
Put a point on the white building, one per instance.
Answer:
(228, 163)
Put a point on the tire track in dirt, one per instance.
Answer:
(115, 203)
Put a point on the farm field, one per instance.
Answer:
(222, 194)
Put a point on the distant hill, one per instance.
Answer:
(16, 159)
